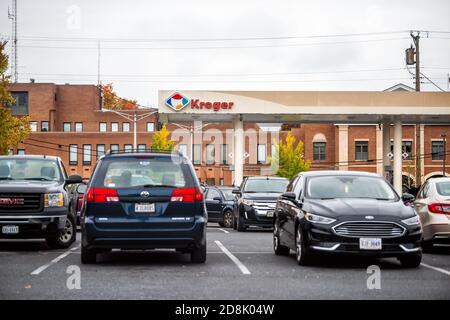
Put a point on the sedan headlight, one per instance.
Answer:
(314, 218)
(413, 221)
(247, 202)
(53, 200)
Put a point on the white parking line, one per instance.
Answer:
(436, 269)
(236, 261)
(56, 260)
(224, 230)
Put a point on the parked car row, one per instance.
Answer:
(153, 199)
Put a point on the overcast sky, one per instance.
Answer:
(266, 45)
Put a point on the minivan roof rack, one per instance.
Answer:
(152, 150)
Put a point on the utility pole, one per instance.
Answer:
(416, 39)
(13, 16)
(444, 138)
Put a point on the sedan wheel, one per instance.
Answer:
(228, 219)
(301, 253)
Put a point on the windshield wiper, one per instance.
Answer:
(39, 179)
(6, 178)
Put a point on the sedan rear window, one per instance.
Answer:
(330, 187)
(443, 188)
(128, 173)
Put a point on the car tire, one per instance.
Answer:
(198, 255)
(234, 223)
(278, 248)
(64, 239)
(241, 227)
(427, 246)
(221, 224)
(88, 256)
(411, 261)
(227, 219)
(302, 254)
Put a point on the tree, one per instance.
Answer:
(161, 140)
(288, 160)
(12, 129)
(112, 101)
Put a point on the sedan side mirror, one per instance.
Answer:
(408, 198)
(74, 179)
(237, 192)
(289, 196)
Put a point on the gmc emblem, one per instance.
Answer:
(12, 201)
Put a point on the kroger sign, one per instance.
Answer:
(179, 102)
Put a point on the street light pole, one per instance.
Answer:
(444, 138)
(134, 118)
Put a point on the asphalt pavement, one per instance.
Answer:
(239, 266)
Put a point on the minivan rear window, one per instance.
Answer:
(135, 172)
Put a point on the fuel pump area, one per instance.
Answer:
(337, 107)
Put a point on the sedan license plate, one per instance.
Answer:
(370, 243)
(269, 214)
(10, 229)
(144, 207)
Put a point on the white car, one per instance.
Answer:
(433, 206)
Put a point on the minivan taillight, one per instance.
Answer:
(102, 195)
(443, 208)
(187, 195)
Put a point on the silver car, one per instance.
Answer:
(433, 206)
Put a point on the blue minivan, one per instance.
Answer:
(143, 200)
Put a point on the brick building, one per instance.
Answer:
(67, 121)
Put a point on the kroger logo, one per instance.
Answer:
(177, 102)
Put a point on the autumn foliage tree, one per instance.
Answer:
(161, 140)
(112, 101)
(12, 129)
(288, 160)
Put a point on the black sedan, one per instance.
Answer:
(345, 212)
(220, 205)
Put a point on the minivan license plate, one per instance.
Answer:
(10, 229)
(370, 243)
(144, 207)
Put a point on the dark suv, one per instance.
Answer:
(143, 200)
(256, 200)
(34, 201)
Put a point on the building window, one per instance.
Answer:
(406, 148)
(128, 148)
(87, 150)
(224, 154)
(182, 148)
(210, 153)
(126, 127)
(114, 148)
(78, 126)
(21, 152)
(66, 126)
(142, 147)
(319, 151)
(44, 126)
(221, 182)
(102, 127)
(33, 126)
(197, 154)
(150, 127)
(437, 150)
(20, 105)
(262, 154)
(361, 150)
(100, 150)
(73, 154)
(114, 126)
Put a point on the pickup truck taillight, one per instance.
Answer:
(102, 195)
(187, 195)
(442, 208)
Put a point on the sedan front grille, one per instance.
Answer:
(369, 229)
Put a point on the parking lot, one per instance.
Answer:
(239, 266)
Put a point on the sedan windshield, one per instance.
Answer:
(331, 187)
(29, 169)
(266, 186)
(228, 194)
